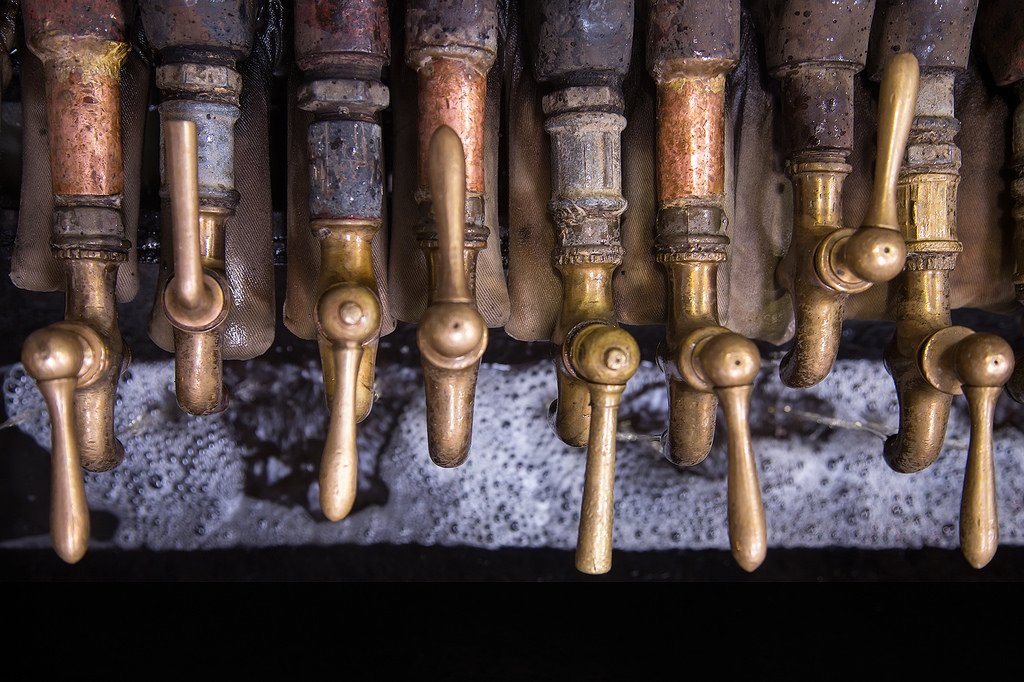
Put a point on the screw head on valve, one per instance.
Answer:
(348, 313)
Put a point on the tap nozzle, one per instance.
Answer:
(957, 360)
(606, 358)
(845, 260)
(452, 335)
(62, 358)
(348, 316)
(716, 359)
(196, 299)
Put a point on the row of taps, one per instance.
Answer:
(579, 54)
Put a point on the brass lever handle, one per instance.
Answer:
(956, 360)
(195, 299)
(61, 358)
(347, 316)
(827, 262)
(716, 359)
(452, 335)
(851, 261)
(605, 357)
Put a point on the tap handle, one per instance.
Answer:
(60, 357)
(348, 316)
(852, 260)
(452, 335)
(605, 357)
(956, 360)
(717, 359)
(194, 299)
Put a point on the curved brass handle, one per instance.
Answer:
(717, 359)
(195, 299)
(956, 360)
(452, 335)
(60, 358)
(851, 261)
(605, 357)
(348, 316)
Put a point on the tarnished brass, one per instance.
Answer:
(827, 262)
(605, 357)
(956, 360)
(347, 317)
(196, 299)
(341, 50)
(452, 336)
(77, 363)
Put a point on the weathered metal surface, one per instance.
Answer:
(937, 32)
(583, 42)
(332, 36)
(190, 30)
(682, 33)
(810, 30)
(346, 170)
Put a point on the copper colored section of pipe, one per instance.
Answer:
(453, 93)
(83, 114)
(690, 160)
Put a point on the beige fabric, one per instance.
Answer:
(33, 265)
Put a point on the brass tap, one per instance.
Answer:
(452, 66)
(957, 361)
(704, 361)
(926, 206)
(452, 335)
(77, 363)
(827, 262)
(196, 299)
(341, 54)
(200, 83)
(583, 54)
(604, 358)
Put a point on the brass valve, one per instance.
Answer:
(347, 318)
(452, 335)
(196, 299)
(957, 361)
(605, 357)
(826, 262)
(62, 358)
(716, 360)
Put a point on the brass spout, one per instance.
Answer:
(452, 335)
(347, 317)
(605, 358)
(713, 359)
(826, 262)
(196, 299)
(956, 360)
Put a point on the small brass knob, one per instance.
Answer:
(452, 335)
(717, 359)
(606, 358)
(956, 360)
(347, 315)
(57, 357)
